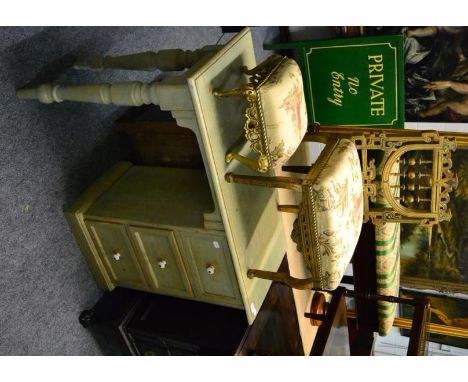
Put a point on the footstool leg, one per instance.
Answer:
(266, 181)
(164, 60)
(283, 278)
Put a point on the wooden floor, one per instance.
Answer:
(275, 330)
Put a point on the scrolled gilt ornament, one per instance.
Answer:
(390, 145)
(371, 192)
(426, 222)
(359, 140)
(429, 136)
(448, 183)
(370, 170)
(296, 236)
(254, 129)
(261, 73)
(445, 215)
(377, 219)
(391, 215)
(446, 163)
(449, 145)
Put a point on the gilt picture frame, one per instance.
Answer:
(437, 257)
(449, 314)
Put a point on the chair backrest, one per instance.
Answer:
(424, 178)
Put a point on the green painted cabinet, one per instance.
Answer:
(115, 251)
(162, 260)
(210, 266)
(143, 228)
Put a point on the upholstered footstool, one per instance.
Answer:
(276, 117)
(329, 218)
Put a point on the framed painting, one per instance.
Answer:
(437, 257)
(448, 313)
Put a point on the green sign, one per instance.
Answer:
(352, 82)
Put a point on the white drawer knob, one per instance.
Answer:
(210, 269)
(162, 264)
(116, 256)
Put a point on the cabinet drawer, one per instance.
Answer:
(161, 260)
(116, 254)
(212, 270)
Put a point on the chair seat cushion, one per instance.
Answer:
(331, 215)
(283, 111)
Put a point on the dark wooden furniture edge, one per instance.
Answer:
(324, 330)
(279, 301)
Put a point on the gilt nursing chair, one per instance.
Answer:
(340, 192)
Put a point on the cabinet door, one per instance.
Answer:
(117, 255)
(162, 260)
(211, 268)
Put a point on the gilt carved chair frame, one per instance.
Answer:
(398, 144)
(442, 181)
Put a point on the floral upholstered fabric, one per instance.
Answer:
(283, 110)
(387, 238)
(331, 215)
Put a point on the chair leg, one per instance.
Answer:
(266, 181)
(283, 278)
(297, 169)
(132, 93)
(164, 60)
(260, 165)
(289, 208)
(315, 137)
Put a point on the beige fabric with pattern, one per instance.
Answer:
(330, 221)
(284, 111)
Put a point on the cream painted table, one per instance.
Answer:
(248, 216)
(253, 226)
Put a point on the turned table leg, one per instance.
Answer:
(164, 60)
(131, 93)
